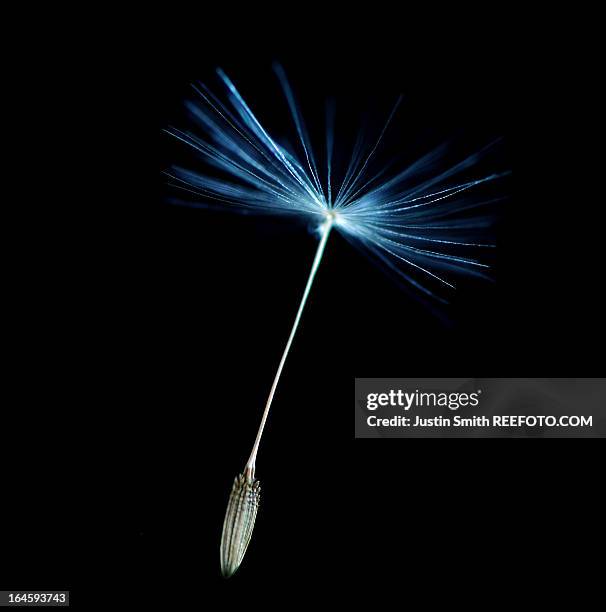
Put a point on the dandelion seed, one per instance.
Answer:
(420, 223)
(239, 521)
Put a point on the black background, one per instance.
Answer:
(171, 356)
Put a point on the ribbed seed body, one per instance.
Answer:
(239, 522)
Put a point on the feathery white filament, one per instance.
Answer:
(259, 175)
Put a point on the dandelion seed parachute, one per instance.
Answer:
(420, 223)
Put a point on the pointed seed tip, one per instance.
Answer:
(239, 522)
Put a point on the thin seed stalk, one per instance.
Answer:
(245, 495)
